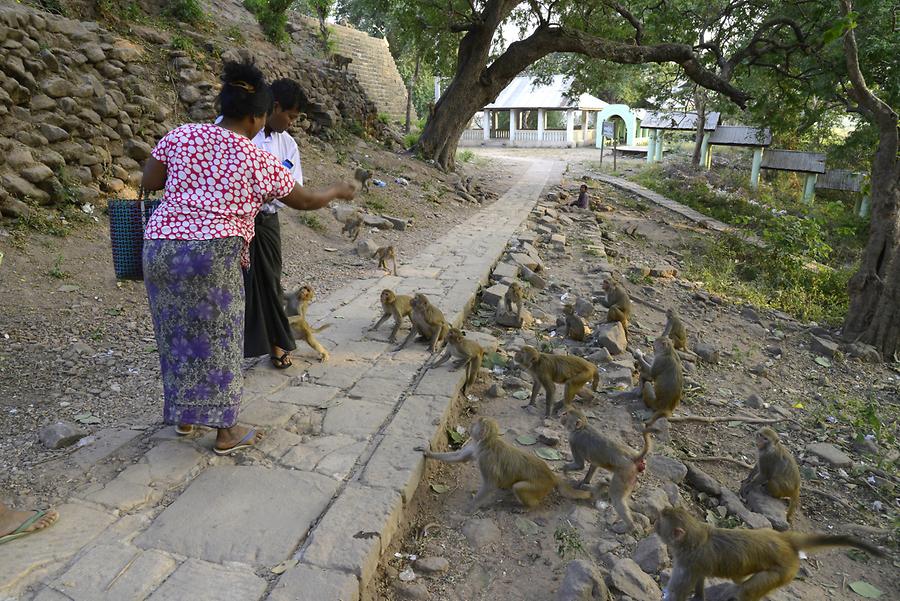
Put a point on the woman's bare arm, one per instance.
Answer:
(304, 199)
(154, 175)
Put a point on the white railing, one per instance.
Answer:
(555, 135)
(527, 135)
(472, 135)
(499, 134)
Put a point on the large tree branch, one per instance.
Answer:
(628, 16)
(756, 46)
(546, 40)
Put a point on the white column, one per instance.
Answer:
(513, 126)
(487, 124)
(540, 125)
(584, 128)
(437, 88)
(570, 128)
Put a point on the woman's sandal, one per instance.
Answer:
(281, 362)
(184, 430)
(246, 442)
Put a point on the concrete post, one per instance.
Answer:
(705, 150)
(584, 128)
(865, 206)
(754, 172)
(651, 146)
(659, 144)
(809, 192)
(487, 125)
(437, 88)
(513, 126)
(540, 125)
(570, 128)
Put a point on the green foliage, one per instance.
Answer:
(184, 43)
(411, 139)
(57, 271)
(187, 11)
(272, 18)
(569, 543)
(53, 6)
(312, 221)
(376, 204)
(119, 11)
(384, 118)
(234, 34)
(465, 156)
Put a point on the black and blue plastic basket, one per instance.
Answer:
(127, 221)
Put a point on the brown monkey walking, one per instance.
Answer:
(675, 330)
(547, 370)
(468, 352)
(383, 254)
(428, 322)
(363, 176)
(618, 302)
(776, 470)
(297, 303)
(503, 466)
(602, 451)
(759, 560)
(575, 328)
(662, 383)
(353, 226)
(397, 306)
(515, 295)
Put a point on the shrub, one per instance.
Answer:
(411, 139)
(188, 11)
(465, 156)
(272, 18)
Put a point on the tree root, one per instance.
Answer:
(747, 419)
(720, 458)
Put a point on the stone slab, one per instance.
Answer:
(116, 572)
(121, 494)
(213, 516)
(105, 444)
(355, 531)
(356, 418)
(309, 395)
(309, 583)
(33, 556)
(386, 389)
(263, 412)
(330, 455)
(197, 580)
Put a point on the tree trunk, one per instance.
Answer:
(874, 313)
(452, 112)
(409, 92)
(700, 105)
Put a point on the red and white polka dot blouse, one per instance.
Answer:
(216, 182)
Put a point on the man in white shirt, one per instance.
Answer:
(266, 328)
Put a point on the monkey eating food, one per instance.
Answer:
(297, 304)
(547, 370)
(428, 322)
(575, 328)
(662, 382)
(775, 470)
(503, 467)
(397, 306)
(759, 560)
(468, 352)
(602, 451)
(383, 254)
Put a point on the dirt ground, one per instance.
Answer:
(505, 553)
(76, 345)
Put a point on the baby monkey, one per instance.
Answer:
(504, 466)
(397, 306)
(776, 470)
(575, 328)
(383, 254)
(468, 353)
(548, 370)
(298, 303)
(515, 295)
(760, 561)
(602, 451)
(675, 330)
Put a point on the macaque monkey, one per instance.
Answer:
(662, 382)
(363, 176)
(341, 62)
(547, 370)
(775, 470)
(383, 254)
(602, 451)
(428, 322)
(618, 302)
(515, 295)
(353, 226)
(468, 352)
(675, 330)
(296, 310)
(759, 561)
(503, 466)
(575, 328)
(397, 306)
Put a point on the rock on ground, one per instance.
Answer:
(60, 435)
(651, 554)
(667, 468)
(774, 509)
(432, 565)
(481, 532)
(707, 352)
(611, 336)
(628, 577)
(829, 453)
(366, 248)
(582, 582)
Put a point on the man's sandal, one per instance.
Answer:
(281, 362)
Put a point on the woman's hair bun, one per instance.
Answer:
(246, 72)
(244, 91)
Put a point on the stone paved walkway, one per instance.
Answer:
(325, 491)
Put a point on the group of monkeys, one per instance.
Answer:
(353, 225)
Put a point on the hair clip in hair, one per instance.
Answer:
(243, 85)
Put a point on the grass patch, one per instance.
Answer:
(465, 156)
(568, 541)
(57, 271)
(312, 221)
(411, 139)
(376, 204)
(187, 11)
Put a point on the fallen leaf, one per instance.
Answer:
(87, 418)
(284, 565)
(548, 454)
(734, 423)
(520, 395)
(440, 488)
(330, 250)
(864, 589)
(526, 439)
(823, 361)
(527, 527)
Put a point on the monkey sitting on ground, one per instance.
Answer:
(468, 352)
(515, 295)
(575, 328)
(759, 560)
(397, 306)
(618, 302)
(296, 310)
(363, 176)
(503, 466)
(662, 382)
(547, 370)
(775, 470)
(383, 254)
(675, 330)
(602, 451)
(428, 322)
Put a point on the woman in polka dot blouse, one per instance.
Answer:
(196, 244)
